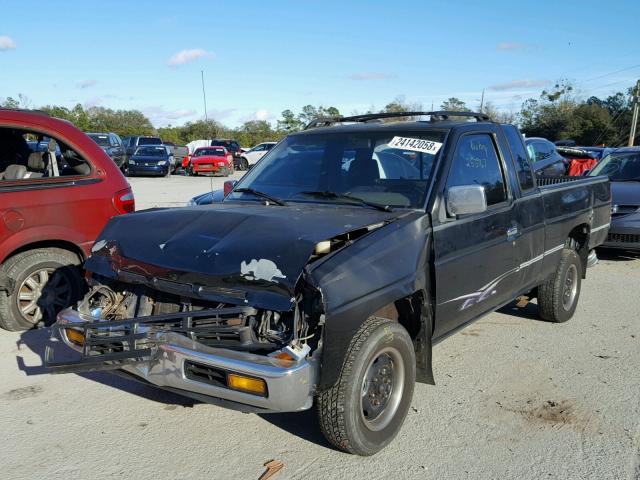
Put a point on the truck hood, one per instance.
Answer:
(232, 252)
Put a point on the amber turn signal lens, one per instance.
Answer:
(75, 336)
(256, 386)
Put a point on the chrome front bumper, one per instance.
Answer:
(290, 385)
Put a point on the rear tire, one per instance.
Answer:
(558, 296)
(365, 409)
(46, 281)
(244, 164)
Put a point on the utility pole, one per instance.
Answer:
(204, 97)
(634, 119)
(482, 101)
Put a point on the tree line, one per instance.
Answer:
(558, 113)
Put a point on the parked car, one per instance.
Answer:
(216, 160)
(250, 157)
(113, 146)
(545, 157)
(207, 198)
(312, 282)
(52, 208)
(623, 169)
(179, 152)
(232, 147)
(150, 160)
(133, 142)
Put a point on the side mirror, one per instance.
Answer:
(228, 186)
(466, 199)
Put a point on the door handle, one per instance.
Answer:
(512, 232)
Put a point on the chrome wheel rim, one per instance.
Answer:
(382, 388)
(42, 294)
(570, 287)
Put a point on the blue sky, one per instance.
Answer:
(261, 57)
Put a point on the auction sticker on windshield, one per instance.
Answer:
(415, 144)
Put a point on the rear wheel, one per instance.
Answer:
(558, 296)
(244, 164)
(46, 281)
(365, 409)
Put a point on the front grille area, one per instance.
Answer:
(123, 341)
(623, 238)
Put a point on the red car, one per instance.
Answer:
(216, 160)
(53, 204)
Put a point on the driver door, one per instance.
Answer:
(475, 257)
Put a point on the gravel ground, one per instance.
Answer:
(515, 398)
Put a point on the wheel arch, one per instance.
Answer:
(578, 239)
(61, 244)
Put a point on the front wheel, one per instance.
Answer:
(558, 296)
(244, 164)
(365, 409)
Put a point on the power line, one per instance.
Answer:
(611, 73)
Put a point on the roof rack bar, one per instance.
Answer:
(436, 116)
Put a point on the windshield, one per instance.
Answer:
(619, 167)
(390, 167)
(214, 152)
(102, 140)
(149, 141)
(151, 151)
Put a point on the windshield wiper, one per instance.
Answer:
(260, 194)
(347, 196)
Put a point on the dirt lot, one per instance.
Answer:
(515, 398)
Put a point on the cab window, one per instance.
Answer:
(476, 163)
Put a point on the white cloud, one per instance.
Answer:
(511, 46)
(86, 83)
(189, 55)
(159, 116)
(261, 114)
(518, 85)
(6, 43)
(370, 76)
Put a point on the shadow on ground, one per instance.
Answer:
(617, 255)
(37, 340)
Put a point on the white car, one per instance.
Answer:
(250, 157)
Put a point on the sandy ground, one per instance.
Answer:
(516, 398)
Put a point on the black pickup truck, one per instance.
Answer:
(332, 268)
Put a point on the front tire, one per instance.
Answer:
(46, 281)
(558, 296)
(365, 409)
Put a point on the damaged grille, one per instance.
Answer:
(112, 344)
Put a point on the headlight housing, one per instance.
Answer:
(132, 162)
(162, 162)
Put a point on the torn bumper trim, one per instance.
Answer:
(289, 384)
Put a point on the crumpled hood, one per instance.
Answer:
(230, 250)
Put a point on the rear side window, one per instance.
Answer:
(523, 167)
(26, 156)
(476, 163)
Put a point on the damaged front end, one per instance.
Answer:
(236, 355)
(189, 300)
